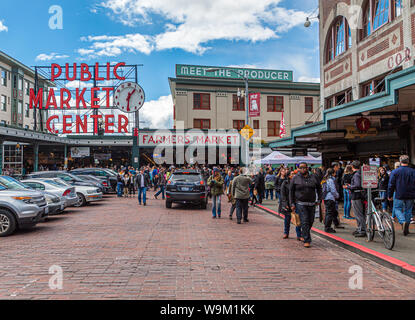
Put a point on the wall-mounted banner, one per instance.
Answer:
(80, 152)
(254, 104)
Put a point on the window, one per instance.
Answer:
(201, 101)
(398, 8)
(20, 107)
(329, 103)
(308, 105)
(340, 99)
(367, 89)
(201, 123)
(273, 128)
(256, 124)
(308, 122)
(238, 104)
(3, 77)
(275, 104)
(238, 124)
(3, 103)
(381, 10)
(27, 87)
(20, 83)
(339, 39)
(27, 110)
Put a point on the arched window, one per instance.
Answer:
(377, 13)
(339, 39)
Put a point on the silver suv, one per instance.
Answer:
(20, 209)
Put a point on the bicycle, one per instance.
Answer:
(381, 222)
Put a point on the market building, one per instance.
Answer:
(207, 98)
(367, 82)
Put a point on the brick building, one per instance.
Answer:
(367, 72)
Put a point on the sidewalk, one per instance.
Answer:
(401, 258)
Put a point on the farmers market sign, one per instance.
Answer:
(232, 73)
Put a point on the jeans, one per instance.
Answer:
(382, 195)
(233, 207)
(241, 208)
(119, 189)
(142, 190)
(287, 225)
(394, 206)
(277, 196)
(359, 213)
(403, 210)
(331, 213)
(216, 205)
(160, 191)
(347, 202)
(269, 191)
(307, 214)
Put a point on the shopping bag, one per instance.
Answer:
(295, 219)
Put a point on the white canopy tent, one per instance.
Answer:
(277, 157)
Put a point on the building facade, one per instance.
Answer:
(367, 81)
(209, 100)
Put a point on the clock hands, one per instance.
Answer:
(128, 99)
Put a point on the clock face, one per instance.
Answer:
(129, 97)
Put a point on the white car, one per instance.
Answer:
(85, 194)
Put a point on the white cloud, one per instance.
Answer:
(3, 27)
(308, 79)
(48, 57)
(191, 25)
(158, 113)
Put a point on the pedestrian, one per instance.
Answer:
(231, 199)
(396, 166)
(270, 179)
(357, 200)
(402, 183)
(120, 185)
(260, 185)
(305, 193)
(347, 200)
(253, 192)
(126, 184)
(240, 192)
(329, 195)
(162, 184)
(215, 182)
(142, 182)
(228, 179)
(383, 178)
(285, 207)
(280, 178)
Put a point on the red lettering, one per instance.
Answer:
(151, 140)
(65, 125)
(85, 70)
(108, 71)
(109, 124)
(36, 100)
(48, 124)
(97, 77)
(80, 124)
(80, 97)
(67, 72)
(96, 117)
(108, 93)
(68, 98)
(144, 138)
(228, 141)
(94, 98)
(53, 74)
(121, 64)
(51, 99)
(122, 125)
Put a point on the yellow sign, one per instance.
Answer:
(247, 132)
(353, 133)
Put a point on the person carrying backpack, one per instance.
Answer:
(329, 195)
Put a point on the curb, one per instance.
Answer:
(383, 259)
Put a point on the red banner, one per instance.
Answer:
(254, 104)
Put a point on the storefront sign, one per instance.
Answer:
(254, 104)
(353, 133)
(369, 177)
(232, 73)
(128, 97)
(80, 152)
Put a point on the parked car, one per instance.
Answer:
(67, 177)
(67, 193)
(186, 186)
(85, 194)
(55, 203)
(103, 183)
(20, 208)
(100, 173)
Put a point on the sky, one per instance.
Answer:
(159, 34)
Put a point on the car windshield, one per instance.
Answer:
(54, 182)
(12, 184)
(185, 178)
(60, 182)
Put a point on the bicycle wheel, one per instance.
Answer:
(389, 233)
(370, 227)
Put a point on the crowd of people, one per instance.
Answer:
(302, 193)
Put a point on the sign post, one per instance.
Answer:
(369, 182)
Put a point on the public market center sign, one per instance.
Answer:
(233, 73)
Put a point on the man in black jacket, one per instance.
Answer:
(305, 193)
(260, 185)
(357, 200)
(142, 181)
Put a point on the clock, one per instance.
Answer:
(129, 97)
(363, 124)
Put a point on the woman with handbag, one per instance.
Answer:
(285, 209)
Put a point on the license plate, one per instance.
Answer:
(185, 189)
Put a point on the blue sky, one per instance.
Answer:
(160, 34)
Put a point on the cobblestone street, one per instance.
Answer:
(119, 250)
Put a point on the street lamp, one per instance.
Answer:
(245, 78)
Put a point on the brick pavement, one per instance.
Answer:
(118, 250)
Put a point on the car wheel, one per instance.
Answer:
(168, 204)
(7, 223)
(81, 200)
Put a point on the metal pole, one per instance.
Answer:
(36, 90)
(136, 139)
(247, 119)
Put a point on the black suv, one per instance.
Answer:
(186, 186)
